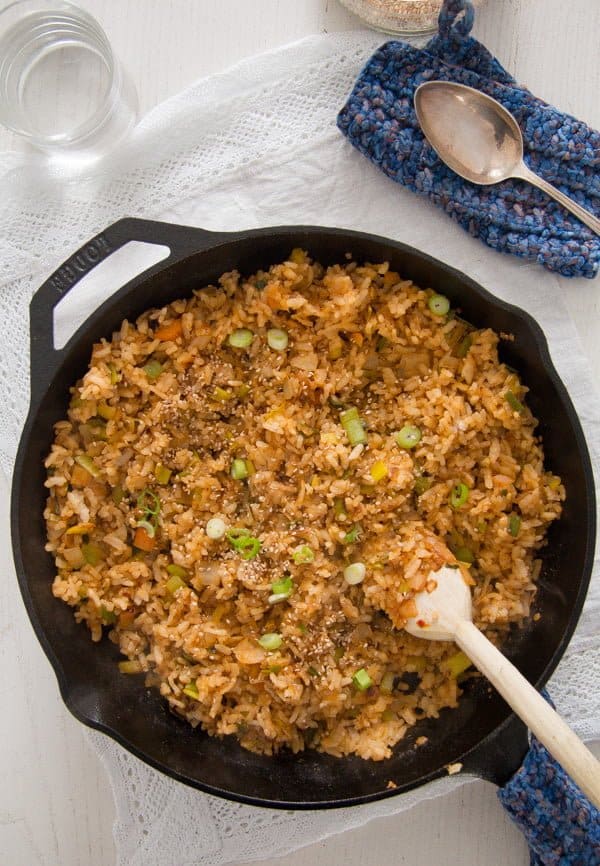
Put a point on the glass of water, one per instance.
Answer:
(61, 87)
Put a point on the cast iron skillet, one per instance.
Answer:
(482, 734)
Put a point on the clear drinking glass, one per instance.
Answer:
(61, 87)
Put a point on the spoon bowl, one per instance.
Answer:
(480, 140)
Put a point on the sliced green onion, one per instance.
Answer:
(353, 426)
(149, 527)
(114, 374)
(459, 495)
(174, 583)
(222, 395)
(303, 554)
(130, 667)
(277, 339)
(153, 369)
(387, 683)
(270, 641)
(162, 474)
(285, 586)
(239, 469)
(191, 690)
(514, 403)
(353, 536)
(408, 436)
(86, 462)
(464, 554)
(379, 471)
(355, 573)
(108, 617)
(245, 544)
(514, 525)
(177, 571)
(149, 502)
(216, 528)
(242, 391)
(457, 663)
(106, 412)
(422, 484)
(362, 680)
(339, 509)
(241, 338)
(92, 553)
(439, 305)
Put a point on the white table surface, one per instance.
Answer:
(56, 806)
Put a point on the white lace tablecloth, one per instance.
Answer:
(256, 146)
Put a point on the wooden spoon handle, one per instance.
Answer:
(531, 707)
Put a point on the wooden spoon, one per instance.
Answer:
(445, 614)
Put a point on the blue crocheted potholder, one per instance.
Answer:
(380, 121)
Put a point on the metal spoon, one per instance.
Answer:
(480, 140)
(445, 614)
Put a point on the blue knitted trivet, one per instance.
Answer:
(561, 825)
(514, 217)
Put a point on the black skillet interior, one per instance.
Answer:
(481, 733)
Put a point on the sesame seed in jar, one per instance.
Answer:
(398, 16)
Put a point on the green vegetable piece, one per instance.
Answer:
(514, 525)
(338, 653)
(362, 680)
(162, 474)
(239, 469)
(241, 338)
(177, 571)
(277, 339)
(408, 437)
(117, 494)
(387, 683)
(354, 535)
(270, 641)
(462, 350)
(149, 503)
(174, 583)
(439, 305)
(303, 554)
(130, 667)
(153, 369)
(149, 527)
(285, 587)
(191, 690)
(422, 484)
(108, 617)
(457, 664)
(86, 462)
(464, 554)
(459, 495)
(388, 716)
(514, 403)
(339, 509)
(92, 553)
(353, 426)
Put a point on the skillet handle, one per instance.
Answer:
(181, 240)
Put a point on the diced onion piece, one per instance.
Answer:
(216, 528)
(277, 339)
(276, 597)
(241, 338)
(355, 573)
(270, 641)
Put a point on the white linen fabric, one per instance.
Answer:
(257, 146)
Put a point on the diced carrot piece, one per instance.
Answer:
(80, 477)
(390, 278)
(170, 331)
(142, 540)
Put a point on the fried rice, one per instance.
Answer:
(215, 477)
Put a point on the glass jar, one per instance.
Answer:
(399, 17)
